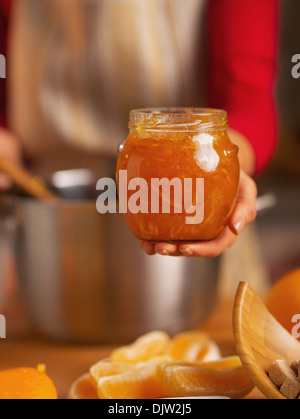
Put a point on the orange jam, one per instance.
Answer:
(180, 144)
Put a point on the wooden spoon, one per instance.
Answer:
(260, 340)
(27, 182)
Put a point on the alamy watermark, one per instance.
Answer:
(296, 328)
(157, 196)
(2, 327)
(296, 66)
(2, 67)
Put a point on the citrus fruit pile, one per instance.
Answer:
(156, 366)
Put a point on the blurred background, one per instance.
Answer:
(264, 252)
(280, 230)
(80, 277)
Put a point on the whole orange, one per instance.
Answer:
(26, 384)
(284, 299)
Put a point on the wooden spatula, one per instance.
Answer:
(29, 183)
(260, 340)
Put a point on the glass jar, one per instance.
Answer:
(167, 148)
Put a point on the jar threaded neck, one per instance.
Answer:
(178, 119)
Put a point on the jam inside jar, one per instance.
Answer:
(181, 144)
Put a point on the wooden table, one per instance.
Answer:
(65, 363)
(23, 347)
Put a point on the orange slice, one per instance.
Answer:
(83, 389)
(132, 385)
(107, 369)
(140, 383)
(212, 353)
(226, 377)
(189, 346)
(143, 349)
(220, 365)
(193, 346)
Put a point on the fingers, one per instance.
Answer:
(247, 188)
(210, 249)
(149, 248)
(163, 249)
(10, 148)
(244, 214)
(245, 210)
(166, 249)
(205, 249)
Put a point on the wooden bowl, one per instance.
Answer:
(260, 340)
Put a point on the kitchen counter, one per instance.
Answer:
(65, 363)
(259, 258)
(23, 347)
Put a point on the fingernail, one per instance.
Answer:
(164, 253)
(187, 252)
(237, 227)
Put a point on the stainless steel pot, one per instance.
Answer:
(85, 278)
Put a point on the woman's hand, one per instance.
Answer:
(244, 214)
(9, 150)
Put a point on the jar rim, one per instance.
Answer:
(178, 118)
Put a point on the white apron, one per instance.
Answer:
(77, 69)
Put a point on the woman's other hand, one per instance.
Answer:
(9, 150)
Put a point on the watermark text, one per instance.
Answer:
(157, 196)
(2, 327)
(2, 67)
(296, 328)
(296, 67)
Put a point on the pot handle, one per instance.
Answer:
(265, 203)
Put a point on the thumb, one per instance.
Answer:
(244, 214)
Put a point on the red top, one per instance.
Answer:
(243, 42)
(242, 45)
